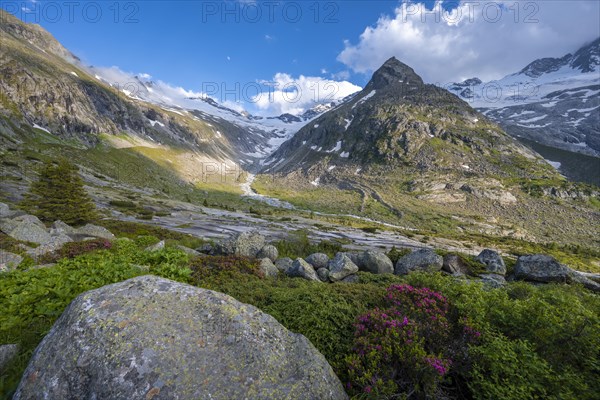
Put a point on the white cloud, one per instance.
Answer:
(296, 95)
(268, 37)
(484, 38)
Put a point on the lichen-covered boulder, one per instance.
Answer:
(420, 260)
(4, 210)
(546, 269)
(375, 262)
(340, 267)
(302, 269)
(246, 244)
(318, 260)
(60, 228)
(269, 251)
(283, 264)
(493, 262)
(156, 247)
(151, 338)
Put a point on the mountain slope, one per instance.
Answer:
(414, 155)
(552, 101)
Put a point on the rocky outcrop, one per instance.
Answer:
(95, 231)
(375, 262)
(493, 262)
(420, 260)
(151, 338)
(246, 244)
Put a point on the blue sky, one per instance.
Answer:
(191, 43)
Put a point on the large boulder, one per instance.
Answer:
(95, 231)
(318, 260)
(151, 338)
(302, 269)
(375, 262)
(455, 265)
(340, 267)
(494, 281)
(541, 268)
(9, 261)
(493, 262)
(546, 269)
(29, 231)
(246, 244)
(323, 274)
(420, 260)
(269, 251)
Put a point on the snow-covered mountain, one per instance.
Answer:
(553, 101)
(266, 133)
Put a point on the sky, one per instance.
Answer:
(321, 49)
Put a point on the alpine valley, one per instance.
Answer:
(401, 154)
(401, 241)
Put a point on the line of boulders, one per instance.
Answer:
(318, 267)
(28, 228)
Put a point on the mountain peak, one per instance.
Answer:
(393, 72)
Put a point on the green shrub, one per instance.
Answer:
(74, 249)
(394, 254)
(299, 245)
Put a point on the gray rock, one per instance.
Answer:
(59, 227)
(95, 231)
(206, 248)
(151, 338)
(188, 251)
(318, 260)
(28, 231)
(54, 244)
(453, 264)
(268, 268)
(7, 353)
(30, 219)
(156, 247)
(284, 263)
(375, 262)
(246, 244)
(302, 269)
(541, 268)
(546, 269)
(420, 260)
(323, 274)
(4, 210)
(351, 279)
(353, 256)
(340, 267)
(269, 251)
(7, 225)
(493, 262)
(9, 261)
(494, 281)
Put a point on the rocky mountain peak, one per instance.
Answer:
(587, 59)
(392, 73)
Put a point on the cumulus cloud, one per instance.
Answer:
(287, 94)
(487, 39)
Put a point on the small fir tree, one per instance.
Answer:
(59, 195)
